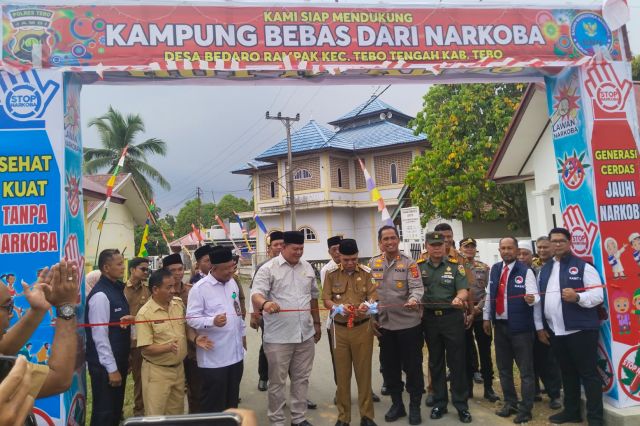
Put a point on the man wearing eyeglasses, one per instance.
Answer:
(137, 293)
(567, 319)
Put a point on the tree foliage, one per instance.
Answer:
(188, 214)
(635, 68)
(116, 132)
(464, 124)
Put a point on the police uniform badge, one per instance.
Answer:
(414, 271)
(461, 270)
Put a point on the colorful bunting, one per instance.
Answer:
(245, 235)
(145, 239)
(196, 233)
(260, 223)
(376, 196)
(110, 184)
(226, 232)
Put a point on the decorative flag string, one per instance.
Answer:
(110, 184)
(260, 223)
(145, 239)
(226, 232)
(196, 233)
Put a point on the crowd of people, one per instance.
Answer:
(188, 339)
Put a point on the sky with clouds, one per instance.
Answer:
(211, 130)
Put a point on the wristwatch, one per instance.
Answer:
(577, 297)
(66, 311)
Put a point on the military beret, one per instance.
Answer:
(348, 247)
(434, 237)
(293, 237)
(202, 251)
(468, 241)
(220, 254)
(172, 259)
(333, 241)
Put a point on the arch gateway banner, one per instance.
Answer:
(48, 52)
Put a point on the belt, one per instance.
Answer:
(160, 365)
(355, 323)
(440, 312)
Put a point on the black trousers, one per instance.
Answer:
(194, 384)
(263, 364)
(445, 337)
(475, 334)
(333, 361)
(545, 368)
(107, 400)
(221, 387)
(577, 356)
(519, 348)
(401, 350)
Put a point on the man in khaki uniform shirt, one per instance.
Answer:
(163, 341)
(137, 294)
(346, 289)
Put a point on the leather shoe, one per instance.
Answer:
(564, 417)
(341, 423)
(522, 418)
(311, 405)
(555, 403)
(366, 421)
(507, 410)
(302, 423)
(438, 412)
(430, 400)
(491, 396)
(262, 385)
(375, 398)
(477, 377)
(465, 416)
(383, 390)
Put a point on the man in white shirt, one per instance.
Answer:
(213, 310)
(567, 318)
(287, 282)
(511, 294)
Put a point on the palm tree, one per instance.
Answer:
(116, 132)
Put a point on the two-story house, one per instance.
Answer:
(331, 197)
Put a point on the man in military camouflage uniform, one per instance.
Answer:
(399, 291)
(347, 289)
(445, 294)
(478, 279)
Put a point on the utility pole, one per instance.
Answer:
(286, 121)
(199, 195)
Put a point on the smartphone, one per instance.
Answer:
(204, 419)
(6, 364)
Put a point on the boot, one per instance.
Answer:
(415, 417)
(397, 408)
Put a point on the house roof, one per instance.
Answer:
(527, 127)
(126, 187)
(368, 108)
(95, 193)
(381, 134)
(311, 137)
(247, 169)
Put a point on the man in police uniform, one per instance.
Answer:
(445, 293)
(400, 289)
(478, 280)
(347, 287)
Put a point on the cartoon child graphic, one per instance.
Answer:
(43, 354)
(10, 280)
(635, 303)
(613, 257)
(634, 240)
(621, 306)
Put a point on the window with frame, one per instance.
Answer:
(301, 174)
(339, 177)
(309, 234)
(272, 189)
(393, 173)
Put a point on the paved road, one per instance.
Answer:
(322, 389)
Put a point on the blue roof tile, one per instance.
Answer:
(376, 106)
(246, 167)
(380, 134)
(311, 137)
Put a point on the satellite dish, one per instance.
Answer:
(382, 116)
(389, 115)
